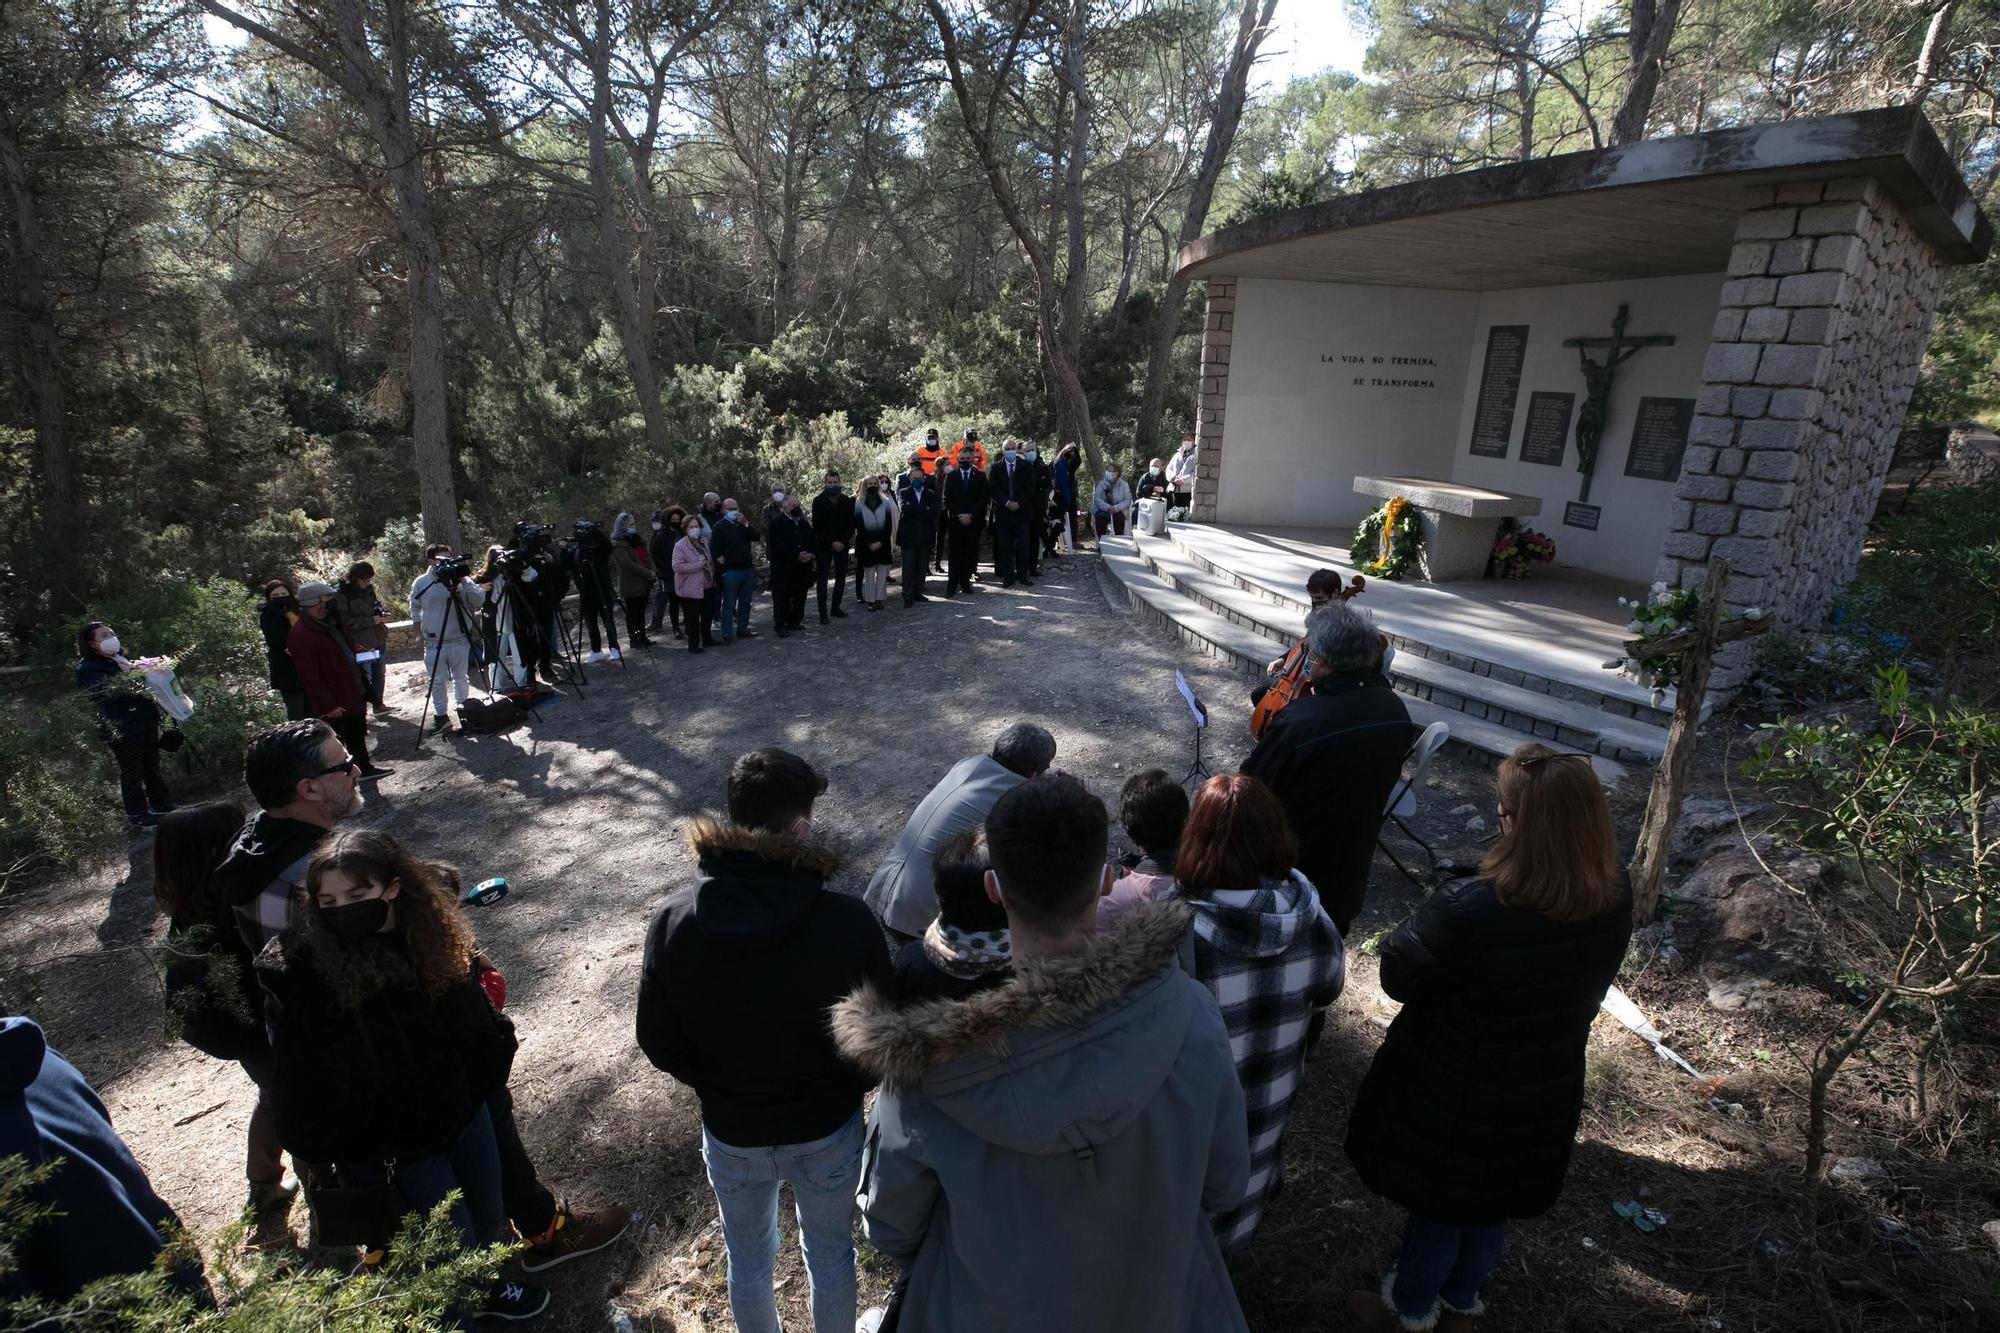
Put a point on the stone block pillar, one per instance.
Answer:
(1217, 329)
(1815, 350)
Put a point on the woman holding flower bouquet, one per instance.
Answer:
(128, 719)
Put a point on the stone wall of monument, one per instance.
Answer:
(1816, 348)
(1218, 326)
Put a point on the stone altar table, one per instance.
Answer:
(1461, 523)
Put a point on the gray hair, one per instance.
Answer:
(1343, 637)
(1026, 749)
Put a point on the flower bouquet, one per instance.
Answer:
(1516, 548)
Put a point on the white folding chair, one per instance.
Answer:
(1403, 796)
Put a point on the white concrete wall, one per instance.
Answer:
(1637, 514)
(1299, 430)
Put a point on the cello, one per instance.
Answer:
(1292, 679)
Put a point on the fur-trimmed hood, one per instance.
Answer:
(1072, 1046)
(758, 885)
(821, 853)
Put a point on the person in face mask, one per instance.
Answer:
(833, 531)
(276, 615)
(730, 544)
(1039, 483)
(1154, 483)
(874, 520)
(385, 1046)
(668, 523)
(792, 549)
(1011, 490)
(1111, 503)
(334, 684)
(127, 719)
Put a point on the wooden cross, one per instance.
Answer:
(1696, 646)
(1590, 419)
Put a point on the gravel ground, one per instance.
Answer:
(582, 812)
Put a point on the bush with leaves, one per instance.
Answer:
(414, 1290)
(1905, 797)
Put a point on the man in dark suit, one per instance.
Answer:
(833, 529)
(965, 500)
(790, 545)
(1333, 755)
(1012, 487)
(917, 499)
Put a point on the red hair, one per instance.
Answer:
(1236, 837)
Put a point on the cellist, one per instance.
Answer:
(1289, 673)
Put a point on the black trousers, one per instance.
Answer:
(140, 782)
(698, 616)
(1013, 552)
(833, 565)
(945, 525)
(635, 618)
(789, 585)
(530, 1206)
(1036, 516)
(593, 611)
(353, 732)
(916, 563)
(964, 554)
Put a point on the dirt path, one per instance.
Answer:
(581, 812)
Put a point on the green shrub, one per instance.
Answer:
(424, 1275)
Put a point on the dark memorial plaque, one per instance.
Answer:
(1546, 436)
(1582, 516)
(1499, 387)
(1659, 438)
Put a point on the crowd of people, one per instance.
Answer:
(1083, 1061)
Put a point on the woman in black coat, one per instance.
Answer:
(275, 618)
(129, 721)
(1468, 1114)
(385, 1047)
(213, 998)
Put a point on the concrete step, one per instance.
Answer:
(1156, 598)
(1574, 722)
(1276, 574)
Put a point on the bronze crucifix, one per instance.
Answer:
(1590, 418)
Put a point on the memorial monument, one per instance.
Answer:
(1783, 279)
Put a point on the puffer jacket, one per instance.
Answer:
(1100, 1080)
(1468, 1114)
(694, 570)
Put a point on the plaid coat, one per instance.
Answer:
(1272, 957)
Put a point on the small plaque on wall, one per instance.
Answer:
(1582, 516)
(1499, 388)
(1659, 438)
(1546, 436)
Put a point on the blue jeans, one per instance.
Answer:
(470, 1165)
(1445, 1263)
(823, 1175)
(738, 585)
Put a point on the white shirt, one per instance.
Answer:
(1181, 470)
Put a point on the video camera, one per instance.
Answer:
(589, 533)
(452, 571)
(530, 537)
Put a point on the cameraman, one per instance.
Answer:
(446, 628)
(588, 561)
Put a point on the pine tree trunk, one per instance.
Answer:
(40, 361)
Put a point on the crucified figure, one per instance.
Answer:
(1597, 376)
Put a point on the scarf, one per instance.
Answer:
(967, 954)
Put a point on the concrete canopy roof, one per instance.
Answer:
(1651, 209)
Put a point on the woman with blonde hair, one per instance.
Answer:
(1467, 1116)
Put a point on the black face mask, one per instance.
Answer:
(353, 923)
(874, 491)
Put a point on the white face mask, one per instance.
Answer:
(109, 645)
(777, 497)
(658, 526)
(1110, 476)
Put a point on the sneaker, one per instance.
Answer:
(749, 634)
(871, 1319)
(513, 1300)
(594, 655)
(612, 655)
(375, 774)
(574, 1234)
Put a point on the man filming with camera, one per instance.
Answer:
(444, 601)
